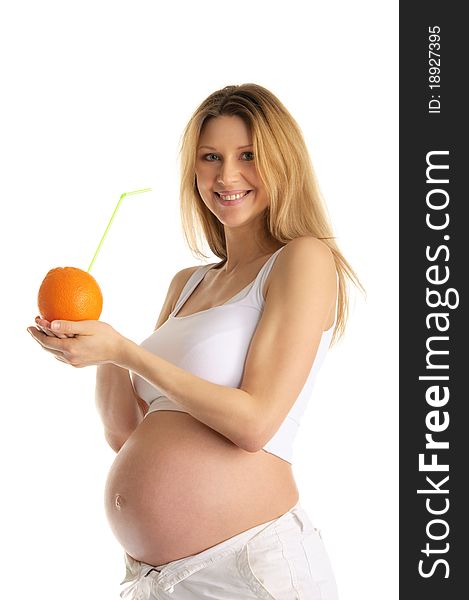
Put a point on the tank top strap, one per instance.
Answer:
(255, 289)
(190, 286)
(258, 287)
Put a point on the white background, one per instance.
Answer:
(95, 98)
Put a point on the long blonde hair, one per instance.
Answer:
(282, 160)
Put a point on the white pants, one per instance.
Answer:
(283, 559)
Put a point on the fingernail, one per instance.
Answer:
(55, 325)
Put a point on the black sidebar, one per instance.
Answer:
(434, 360)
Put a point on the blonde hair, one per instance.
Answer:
(282, 160)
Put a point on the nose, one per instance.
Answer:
(228, 172)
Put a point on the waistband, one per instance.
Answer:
(143, 577)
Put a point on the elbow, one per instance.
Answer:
(116, 441)
(254, 440)
(113, 442)
(256, 429)
(252, 446)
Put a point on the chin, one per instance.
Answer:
(234, 222)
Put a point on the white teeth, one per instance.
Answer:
(233, 197)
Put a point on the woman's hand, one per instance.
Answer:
(44, 326)
(79, 343)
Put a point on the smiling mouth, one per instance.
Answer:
(232, 197)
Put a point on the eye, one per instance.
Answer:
(212, 157)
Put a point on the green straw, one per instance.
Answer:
(112, 219)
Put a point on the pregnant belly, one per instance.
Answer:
(178, 487)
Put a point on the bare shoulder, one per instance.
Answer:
(303, 257)
(309, 247)
(180, 279)
(174, 291)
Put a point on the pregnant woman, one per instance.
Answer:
(203, 414)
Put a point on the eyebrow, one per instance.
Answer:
(239, 147)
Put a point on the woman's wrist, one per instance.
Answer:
(125, 352)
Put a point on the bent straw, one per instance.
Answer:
(112, 219)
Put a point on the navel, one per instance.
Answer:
(118, 501)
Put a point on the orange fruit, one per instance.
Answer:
(70, 294)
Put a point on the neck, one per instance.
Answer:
(246, 244)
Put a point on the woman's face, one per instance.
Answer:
(227, 179)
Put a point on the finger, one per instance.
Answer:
(45, 331)
(41, 339)
(49, 343)
(51, 333)
(35, 332)
(41, 321)
(44, 326)
(70, 328)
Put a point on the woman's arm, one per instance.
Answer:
(299, 306)
(119, 407)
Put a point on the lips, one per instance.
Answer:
(230, 195)
(223, 199)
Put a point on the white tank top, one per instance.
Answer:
(213, 344)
